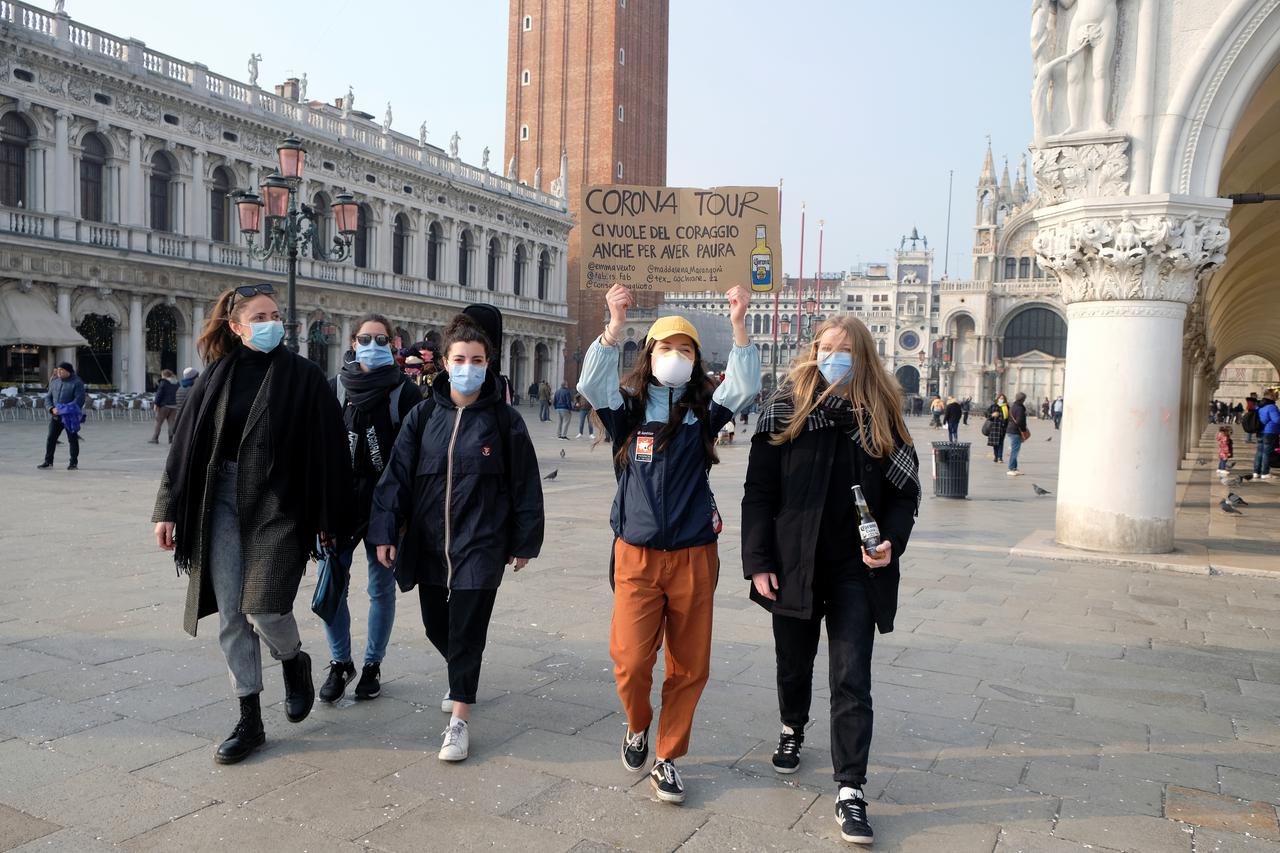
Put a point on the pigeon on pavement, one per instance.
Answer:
(1039, 491)
(562, 453)
(1236, 500)
(1200, 460)
(1229, 509)
(1050, 438)
(552, 475)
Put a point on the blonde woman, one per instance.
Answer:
(836, 423)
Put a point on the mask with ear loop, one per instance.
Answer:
(672, 369)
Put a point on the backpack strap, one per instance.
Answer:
(395, 406)
(341, 391)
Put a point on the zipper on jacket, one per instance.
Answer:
(448, 500)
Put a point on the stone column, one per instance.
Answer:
(136, 190)
(64, 311)
(63, 168)
(197, 200)
(137, 380)
(197, 327)
(1128, 266)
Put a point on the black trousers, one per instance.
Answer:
(51, 444)
(457, 623)
(843, 596)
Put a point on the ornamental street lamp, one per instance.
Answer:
(293, 227)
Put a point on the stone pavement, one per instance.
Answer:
(1021, 704)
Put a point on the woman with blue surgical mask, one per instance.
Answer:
(376, 397)
(256, 473)
(461, 500)
(836, 424)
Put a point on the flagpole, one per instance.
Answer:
(776, 290)
(800, 283)
(821, 224)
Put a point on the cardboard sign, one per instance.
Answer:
(677, 239)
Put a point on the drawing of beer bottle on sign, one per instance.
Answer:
(761, 263)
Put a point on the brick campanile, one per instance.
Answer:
(587, 78)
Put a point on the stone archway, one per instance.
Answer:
(163, 325)
(909, 379)
(96, 362)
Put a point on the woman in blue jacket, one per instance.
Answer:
(663, 421)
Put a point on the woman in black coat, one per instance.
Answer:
(460, 500)
(836, 424)
(997, 426)
(256, 472)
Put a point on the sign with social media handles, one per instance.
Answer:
(680, 239)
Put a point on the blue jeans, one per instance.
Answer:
(953, 432)
(1015, 444)
(1262, 456)
(585, 423)
(382, 611)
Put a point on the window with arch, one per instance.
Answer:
(544, 273)
(517, 271)
(619, 168)
(756, 326)
(619, 112)
(220, 205)
(1024, 268)
(528, 23)
(524, 77)
(160, 189)
(360, 249)
(15, 137)
(464, 257)
(491, 273)
(1010, 269)
(93, 163)
(524, 132)
(435, 241)
(622, 56)
(400, 244)
(1035, 329)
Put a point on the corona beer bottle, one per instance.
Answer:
(761, 263)
(868, 530)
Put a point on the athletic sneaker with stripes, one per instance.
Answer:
(786, 759)
(851, 814)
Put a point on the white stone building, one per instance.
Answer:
(117, 169)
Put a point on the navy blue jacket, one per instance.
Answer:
(166, 393)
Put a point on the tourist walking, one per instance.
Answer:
(544, 401)
(564, 411)
(1019, 431)
(952, 414)
(663, 419)
(1056, 408)
(462, 484)
(65, 403)
(1226, 449)
(835, 426)
(376, 397)
(585, 423)
(166, 403)
(965, 407)
(257, 471)
(1269, 421)
(935, 412)
(188, 379)
(995, 426)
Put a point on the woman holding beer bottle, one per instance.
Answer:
(831, 496)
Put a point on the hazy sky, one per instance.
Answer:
(863, 106)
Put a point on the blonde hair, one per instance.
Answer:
(871, 388)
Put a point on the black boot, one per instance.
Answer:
(246, 736)
(299, 691)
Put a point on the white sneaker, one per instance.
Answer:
(446, 704)
(456, 741)
(579, 435)
(1264, 477)
(1013, 473)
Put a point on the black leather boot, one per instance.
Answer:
(246, 736)
(299, 691)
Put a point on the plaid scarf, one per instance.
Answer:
(904, 466)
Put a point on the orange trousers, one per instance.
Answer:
(657, 595)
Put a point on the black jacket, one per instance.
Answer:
(786, 490)
(1018, 417)
(952, 413)
(166, 393)
(446, 484)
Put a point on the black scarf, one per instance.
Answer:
(368, 391)
(837, 411)
(308, 443)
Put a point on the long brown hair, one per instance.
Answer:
(217, 339)
(871, 388)
(696, 399)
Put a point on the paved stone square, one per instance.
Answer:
(1022, 705)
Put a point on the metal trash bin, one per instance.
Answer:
(950, 469)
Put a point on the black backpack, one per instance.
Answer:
(1252, 421)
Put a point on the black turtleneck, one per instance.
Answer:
(250, 370)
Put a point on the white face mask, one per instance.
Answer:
(672, 369)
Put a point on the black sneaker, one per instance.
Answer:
(666, 782)
(73, 467)
(851, 814)
(335, 686)
(635, 750)
(45, 465)
(786, 759)
(370, 686)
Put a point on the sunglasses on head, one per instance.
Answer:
(365, 340)
(248, 291)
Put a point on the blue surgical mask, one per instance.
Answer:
(466, 379)
(266, 336)
(835, 367)
(371, 355)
